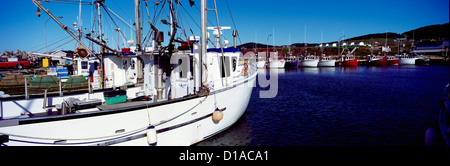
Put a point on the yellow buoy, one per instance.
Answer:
(217, 115)
(45, 62)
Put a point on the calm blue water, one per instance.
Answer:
(338, 106)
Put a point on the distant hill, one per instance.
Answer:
(251, 45)
(440, 31)
(436, 32)
(390, 35)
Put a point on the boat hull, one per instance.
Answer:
(330, 63)
(379, 62)
(277, 64)
(349, 63)
(393, 62)
(292, 64)
(407, 61)
(309, 63)
(261, 64)
(183, 121)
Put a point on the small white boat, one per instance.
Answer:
(309, 61)
(327, 61)
(261, 63)
(406, 59)
(277, 63)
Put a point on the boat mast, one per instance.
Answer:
(173, 27)
(203, 40)
(137, 17)
(289, 46)
(100, 37)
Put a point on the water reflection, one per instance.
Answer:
(237, 135)
(348, 69)
(337, 106)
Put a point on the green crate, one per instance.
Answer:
(115, 100)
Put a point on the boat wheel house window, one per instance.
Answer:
(225, 67)
(234, 64)
(182, 74)
(84, 65)
(133, 64)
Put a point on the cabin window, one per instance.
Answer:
(191, 66)
(84, 65)
(124, 62)
(133, 64)
(182, 75)
(234, 64)
(225, 67)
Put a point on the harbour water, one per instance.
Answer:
(339, 106)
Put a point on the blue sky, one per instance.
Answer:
(22, 29)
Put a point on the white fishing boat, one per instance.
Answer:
(175, 104)
(309, 61)
(261, 62)
(406, 59)
(276, 62)
(327, 61)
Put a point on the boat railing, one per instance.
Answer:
(15, 85)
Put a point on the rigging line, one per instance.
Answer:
(58, 40)
(209, 20)
(134, 29)
(149, 34)
(61, 45)
(187, 22)
(157, 16)
(111, 31)
(232, 19)
(190, 17)
(68, 1)
(114, 24)
(123, 11)
(55, 43)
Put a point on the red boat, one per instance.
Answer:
(374, 60)
(348, 61)
(392, 60)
